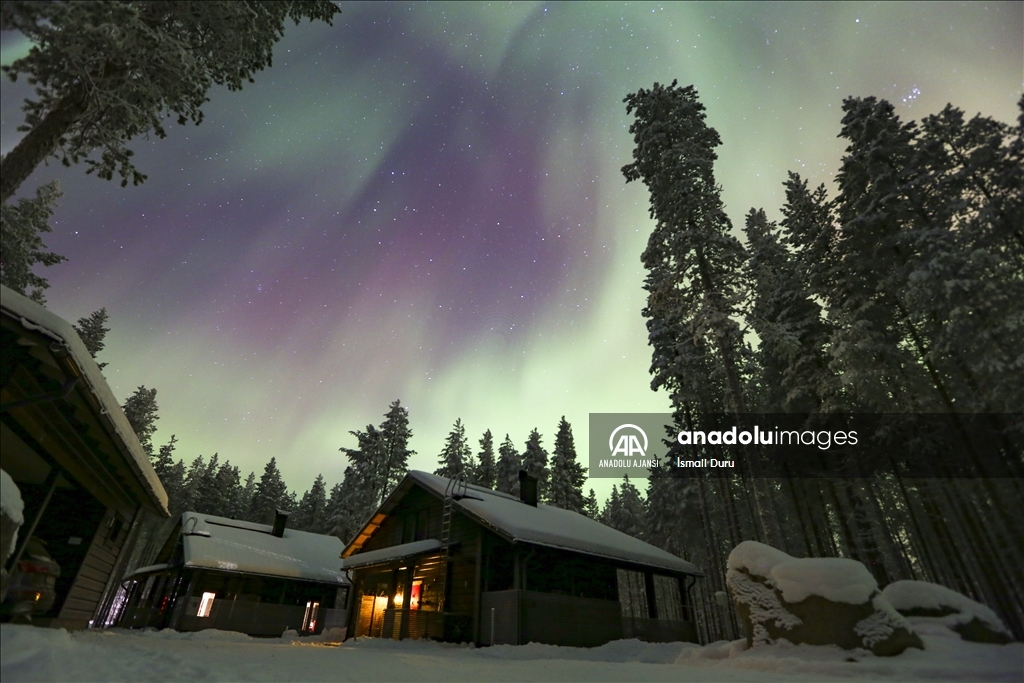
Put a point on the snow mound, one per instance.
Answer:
(10, 498)
(833, 578)
(930, 603)
(13, 509)
(814, 601)
(209, 634)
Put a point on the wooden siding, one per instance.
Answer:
(83, 598)
(465, 535)
(522, 617)
(87, 588)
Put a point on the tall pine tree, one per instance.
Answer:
(507, 470)
(535, 461)
(456, 452)
(142, 410)
(269, 495)
(485, 473)
(695, 280)
(93, 331)
(567, 475)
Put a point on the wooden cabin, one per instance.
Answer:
(445, 560)
(231, 575)
(79, 468)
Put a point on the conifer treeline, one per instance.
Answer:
(901, 294)
(375, 467)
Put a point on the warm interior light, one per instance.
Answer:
(206, 606)
(398, 599)
(414, 594)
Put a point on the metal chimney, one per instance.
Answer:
(527, 488)
(280, 520)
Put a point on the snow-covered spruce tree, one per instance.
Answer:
(485, 472)
(963, 296)
(92, 330)
(567, 475)
(206, 497)
(243, 500)
(228, 487)
(269, 495)
(394, 449)
(507, 470)
(789, 323)
(809, 234)
(456, 452)
(193, 477)
(363, 481)
(590, 506)
(694, 263)
(611, 509)
(535, 462)
(310, 514)
(22, 224)
(874, 346)
(141, 410)
(107, 72)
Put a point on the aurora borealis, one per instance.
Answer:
(424, 202)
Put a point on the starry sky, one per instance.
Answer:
(424, 202)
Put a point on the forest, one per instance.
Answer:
(899, 298)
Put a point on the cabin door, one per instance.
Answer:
(371, 616)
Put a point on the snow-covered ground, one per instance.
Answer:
(36, 654)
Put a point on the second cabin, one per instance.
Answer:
(447, 560)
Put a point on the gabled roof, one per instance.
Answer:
(108, 459)
(236, 546)
(543, 525)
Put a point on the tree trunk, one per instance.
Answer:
(39, 143)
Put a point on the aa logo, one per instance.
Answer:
(628, 444)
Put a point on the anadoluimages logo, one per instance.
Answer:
(628, 445)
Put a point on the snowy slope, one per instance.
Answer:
(31, 654)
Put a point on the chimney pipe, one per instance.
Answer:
(280, 520)
(527, 488)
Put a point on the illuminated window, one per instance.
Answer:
(414, 596)
(309, 620)
(206, 606)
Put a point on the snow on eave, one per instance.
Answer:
(34, 317)
(231, 545)
(390, 554)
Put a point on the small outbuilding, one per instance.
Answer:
(447, 560)
(78, 467)
(227, 574)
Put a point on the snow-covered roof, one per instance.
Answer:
(36, 318)
(237, 546)
(392, 553)
(543, 525)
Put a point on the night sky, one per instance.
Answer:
(424, 202)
